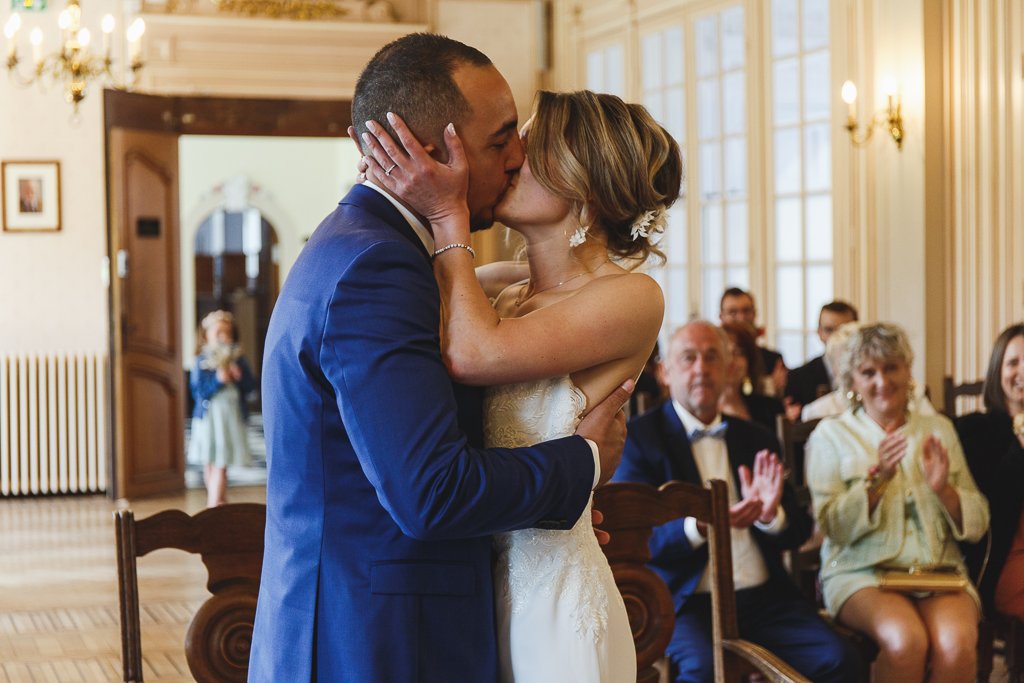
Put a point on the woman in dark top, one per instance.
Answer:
(995, 454)
(744, 395)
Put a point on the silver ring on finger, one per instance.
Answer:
(388, 171)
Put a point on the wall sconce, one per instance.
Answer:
(890, 117)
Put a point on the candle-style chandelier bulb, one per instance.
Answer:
(75, 63)
(891, 118)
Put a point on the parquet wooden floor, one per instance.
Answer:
(58, 590)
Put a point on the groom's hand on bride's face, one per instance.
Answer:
(605, 425)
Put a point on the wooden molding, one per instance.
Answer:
(259, 57)
(227, 115)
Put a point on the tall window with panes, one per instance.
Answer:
(801, 92)
(694, 78)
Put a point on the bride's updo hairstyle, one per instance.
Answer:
(612, 160)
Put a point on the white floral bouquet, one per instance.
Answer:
(220, 356)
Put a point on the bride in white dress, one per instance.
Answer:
(592, 193)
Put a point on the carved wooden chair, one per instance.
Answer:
(951, 391)
(631, 511)
(793, 438)
(229, 540)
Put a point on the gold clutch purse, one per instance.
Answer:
(922, 579)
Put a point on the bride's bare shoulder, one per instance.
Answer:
(626, 284)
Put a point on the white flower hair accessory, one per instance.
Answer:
(649, 223)
(578, 236)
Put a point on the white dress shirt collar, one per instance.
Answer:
(711, 456)
(415, 223)
(691, 423)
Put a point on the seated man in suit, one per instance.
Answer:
(737, 306)
(814, 379)
(687, 439)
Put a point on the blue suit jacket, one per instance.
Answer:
(379, 514)
(657, 451)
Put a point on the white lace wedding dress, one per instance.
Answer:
(560, 616)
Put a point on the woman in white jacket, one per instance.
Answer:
(890, 487)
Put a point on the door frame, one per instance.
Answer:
(192, 115)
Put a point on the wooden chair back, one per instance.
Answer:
(951, 391)
(805, 562)
(229, 540)
(793, 438)
(631, 512)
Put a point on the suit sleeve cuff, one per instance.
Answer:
(695, 538)
(597, 463)
(777, 525)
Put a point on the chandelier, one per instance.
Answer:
(74, 64)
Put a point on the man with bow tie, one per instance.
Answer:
(688, 439)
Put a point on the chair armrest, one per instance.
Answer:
(771, 667)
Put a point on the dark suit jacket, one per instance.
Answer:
(770, 357)
(996, 460)
(379, 514)
(764, 410)
(808, 382)
(657, 451)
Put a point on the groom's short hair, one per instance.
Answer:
(413, 77)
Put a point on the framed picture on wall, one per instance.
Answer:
(31, 196)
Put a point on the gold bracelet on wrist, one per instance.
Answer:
(876, 485)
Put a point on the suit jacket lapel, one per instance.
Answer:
(677, 444)
(374, 202)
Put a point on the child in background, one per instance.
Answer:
(219, 381)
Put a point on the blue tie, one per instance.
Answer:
(715, 432)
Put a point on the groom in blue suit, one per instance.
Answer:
(688, 439)
(377, 565)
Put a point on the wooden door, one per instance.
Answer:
(146, 358)
(148, 382)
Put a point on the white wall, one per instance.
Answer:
(899, 182)
(296, 183)
(51, 295)
(504, 30)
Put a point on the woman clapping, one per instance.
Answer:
(891, 489)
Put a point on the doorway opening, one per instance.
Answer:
(235, 267)
(248, 204)
(168, 162)
(236, 270)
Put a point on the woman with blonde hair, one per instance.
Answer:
(219, 381)
(892, 493)
(589, 200)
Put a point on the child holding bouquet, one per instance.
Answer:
(219, 381)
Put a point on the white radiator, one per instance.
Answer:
(53, 423)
